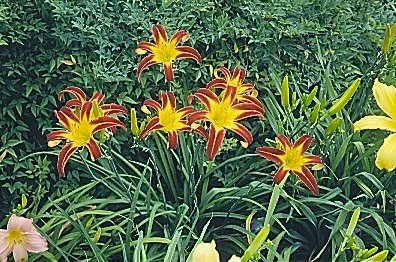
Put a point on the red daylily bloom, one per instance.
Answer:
(79, 132)
(81, 98)
(169, 119)
(165, 51)
(224, 114)
(243, 91)
(293, 158)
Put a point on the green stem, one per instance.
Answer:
(205, 184)
(274, 200)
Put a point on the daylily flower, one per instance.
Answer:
(80, 98)
(243, 91)
(293, 158)
(386, 99)
(79, 132)
(169, 119)
(165, 52)
(19, 238)
(223, 115)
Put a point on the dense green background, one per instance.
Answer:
(317, 43)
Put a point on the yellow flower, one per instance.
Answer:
(206, 252)
(234, 259)
(386, 99)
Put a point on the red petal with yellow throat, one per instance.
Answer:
(285, 142)
(270, 153)
(75, 91)
(168, 98)
(312, 160)
(146, 62)
(177, 37)
(73, 103)
(168, 72)
(196, 116)
(172, 140)
(104, 122)
(188, 52)
(98, 97)
(147, 46)
(248, 110)
(243, 132)
(217, 83)
(111, 109)
(304, 142)
(66, 117)
(93, 149)
(206, 97)
(153, 104)
(153, 125)
(159, 34)
(225, 72)
(57, 135)
(185, 111)
(64, 155)
(215, 139)
(308, 179)
(280, 175)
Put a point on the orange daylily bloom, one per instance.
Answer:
(79, 132)
(165, 51)
(169, 119)
(293, 158)
(224, 114)
(243, 91)
(80, 98)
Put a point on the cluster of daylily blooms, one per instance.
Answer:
(223, 110)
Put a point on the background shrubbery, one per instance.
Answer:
(316, 43)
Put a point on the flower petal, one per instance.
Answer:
(76, 91)
(199, 130)
(159, 34)
(172, 140)
(93, 149)
(19, 223)
(185, 111)
(225, 72)
(386, 154)
(376, 122)
(215, 139)
(284, 141)
(152, 126)
(153, 104)
(146, 62)
(386, 98)
(308, 179)
(188, 52)
(147, 46)
(104, 122)
(310, 160)
(58, 135)
(243, 132)
(280, 175)
(168, 72)
(206, 97)
(217, 83)
(3, 241)
(270, 153)
(66, 117)
(86, 110)
(111, 109)
(64, 155)
(35, 243)
(168, 98)
(98, 97)
(73, 103)
(304, 142)
(19, 253)
(177, 37)
(196, 116)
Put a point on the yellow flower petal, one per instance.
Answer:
(54, 143)
(386, 154)
(140, 51)
(206, 252)
(375, 122)
(234, 259)
(386, 98)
